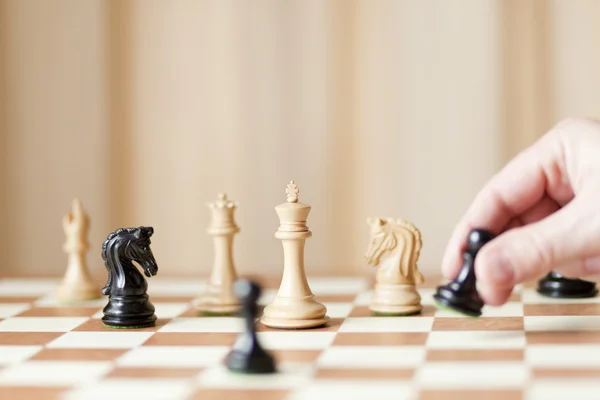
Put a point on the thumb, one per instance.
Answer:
(530, 251)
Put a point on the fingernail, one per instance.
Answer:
(497, 268)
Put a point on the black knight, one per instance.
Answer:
(128, 305)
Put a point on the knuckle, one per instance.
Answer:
(533, 252)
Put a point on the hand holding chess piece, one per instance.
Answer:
(461, 295)
(395, 247)
(76, 285)
(219, 298)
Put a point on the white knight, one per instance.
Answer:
(394, 248)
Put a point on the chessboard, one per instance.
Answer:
(531, 348)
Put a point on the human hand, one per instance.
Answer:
(544, 208)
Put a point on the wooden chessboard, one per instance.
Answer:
(531, 348)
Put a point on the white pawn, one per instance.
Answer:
(395, 248)
(76, 285)
(295, 306)
(220, 298)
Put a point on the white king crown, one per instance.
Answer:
(293, 214)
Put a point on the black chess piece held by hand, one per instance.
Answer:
(461, 294)
(247, 355)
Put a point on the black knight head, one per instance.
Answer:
(138, 250)
(123, 247)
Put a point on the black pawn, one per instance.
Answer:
(247, 355)
(461, 294)
(557, 286)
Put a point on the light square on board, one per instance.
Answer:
(364, 298)
(555, 389)
(16, 354)
(171, 356)
(426, 295)
(471, 375)
(50, 300)
(321, 286)
(204, 324)
(175, 287)
(476, 340)
(355, 390)
(288, 376)
(338, 310)
(27, 286)
(570, 323)
(55, 373)
(380, 324)
(563, 356)
(116, 339)
(11, 309)
(41, 324)
(59, 312)
(122, 388)
(383, 357)
(301, 340)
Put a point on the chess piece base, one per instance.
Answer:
(69, 294)
(213, 308)
(557, 286)
(448, 298)
(288, 313)
(395, 299)
(129, 312)
(216, 302)
(261, 363)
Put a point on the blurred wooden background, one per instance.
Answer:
(146, 110)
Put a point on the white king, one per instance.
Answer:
(219, 298)
(295, 306)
